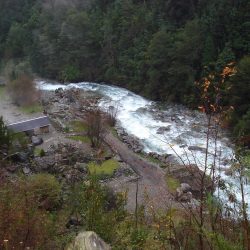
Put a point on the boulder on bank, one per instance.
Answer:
(190, 177)
(88, 241)
(183, 193)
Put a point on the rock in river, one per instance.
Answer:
(162, 130)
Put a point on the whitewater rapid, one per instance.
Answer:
(183, 129)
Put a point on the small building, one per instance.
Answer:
(38, 125)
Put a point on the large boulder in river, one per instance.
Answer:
(162, 130)
(197, 148)
(88, 241)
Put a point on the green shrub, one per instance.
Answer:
(42, 153)
(39, 152)
(138, 238)
(23, 219)
(46, 190)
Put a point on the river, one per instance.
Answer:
(171, 129)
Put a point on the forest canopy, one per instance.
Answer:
(157, 48)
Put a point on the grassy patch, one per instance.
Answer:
(172, 183)
(39, 152)
(78, 126)
(106, 168)
(35, 108)
(80, 138)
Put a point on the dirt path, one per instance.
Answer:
(152, 188)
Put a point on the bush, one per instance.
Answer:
(100, 209)
(42, 153)
(111, 115)
(138, 238)
(22, 219)
(23, 91)
(95, 127)
(46, 190)
(20, 84)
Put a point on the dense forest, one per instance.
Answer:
(157, 48)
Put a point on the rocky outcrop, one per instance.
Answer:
(67, 105)
(66, 161)
(88, 241)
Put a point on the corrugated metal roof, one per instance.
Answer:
(29, 124)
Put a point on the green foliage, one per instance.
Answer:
(238, 93)
(15, 41)
(99, 210)
(209, 52)
(23, 219)
(225, 57)
(138, 238)
(107, 168)
(46, 190)
(70, 73)
(96, 41)
(39, 152)
(221, 243)
(243, 126)
(5, 137)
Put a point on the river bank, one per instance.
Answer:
(175, 132)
